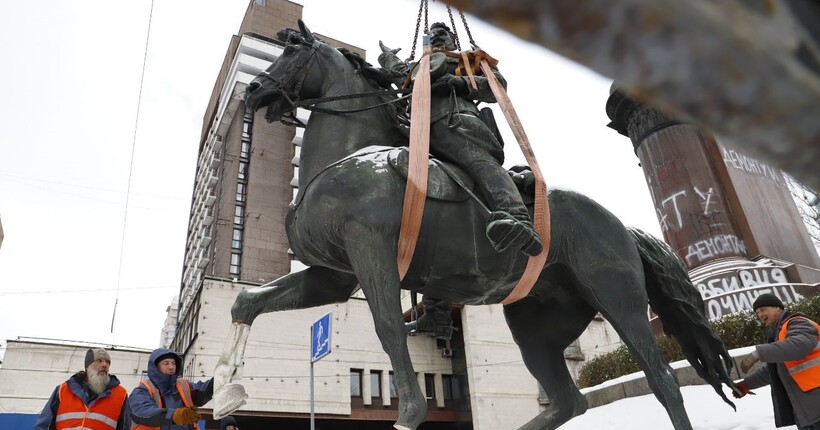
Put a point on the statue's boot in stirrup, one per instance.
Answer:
(505, 231)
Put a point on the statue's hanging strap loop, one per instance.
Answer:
(415, 194)
(541, 220)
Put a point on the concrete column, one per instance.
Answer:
(439, 390)
(385, 388)
(687, 183)
(366, 393)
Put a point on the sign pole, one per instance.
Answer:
(319, 347)
(312, 416)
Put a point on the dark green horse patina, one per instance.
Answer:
(345, 223)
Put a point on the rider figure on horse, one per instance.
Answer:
(459, 136)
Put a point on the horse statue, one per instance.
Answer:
(344, 224)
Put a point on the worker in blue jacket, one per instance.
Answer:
(165, 400)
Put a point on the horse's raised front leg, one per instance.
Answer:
(374, 261)
(315, 286)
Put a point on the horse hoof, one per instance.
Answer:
(228, 399)
(411, 417)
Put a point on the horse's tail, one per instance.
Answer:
(680, 307)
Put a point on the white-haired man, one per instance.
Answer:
(92, 399)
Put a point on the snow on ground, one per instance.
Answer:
(705, 409)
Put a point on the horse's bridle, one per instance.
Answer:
(305, 65)
(292, 98)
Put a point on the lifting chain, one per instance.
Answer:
(422, 10)
(453, 25)
(467, 27)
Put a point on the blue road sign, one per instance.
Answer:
(320, 338)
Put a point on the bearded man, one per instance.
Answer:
(89, 399)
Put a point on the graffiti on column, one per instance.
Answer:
(737, 280)
(730, 292)
(739, 161)
(708, 224)
(715, 246)
(672, 202)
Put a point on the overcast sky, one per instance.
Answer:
(70, 80)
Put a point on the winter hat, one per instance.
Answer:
(93, 355)
(168, 355)
(227, 421)
(767, 299)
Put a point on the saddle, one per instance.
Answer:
(447, 182)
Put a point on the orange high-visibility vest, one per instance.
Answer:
(184, 389)
(806, 371)
(103, 413)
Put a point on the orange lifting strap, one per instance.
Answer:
(415, 194)
(416, 191)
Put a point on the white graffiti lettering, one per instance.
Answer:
(662, 219)
(706, 197)
(739, 161)
(742, 300)
(755, 277)
(674, 199)
(714, 247)
(744, 278)
(717, 286)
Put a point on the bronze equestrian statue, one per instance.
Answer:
(344, 223)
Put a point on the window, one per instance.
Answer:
(355, 383)
(245, 152)
(394, 389)
(241, 192)
(375, 384)
(243, 171)
(236, 262)
(236, 242)
(451, 386)
(430, 385)
(239, 215)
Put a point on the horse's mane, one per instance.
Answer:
(376, 74)
(379, 77)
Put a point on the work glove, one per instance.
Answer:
(749, 361)
(185, 416)
(741, 389)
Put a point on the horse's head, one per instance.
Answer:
(290, 77)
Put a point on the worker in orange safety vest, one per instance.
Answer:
(165, 401)
(792, 359)
(91, 399)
